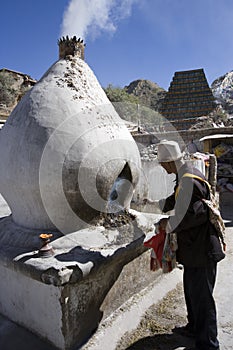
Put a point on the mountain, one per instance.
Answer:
(138, 103)
(149, 94)
(143, 92)
(13, 85)
(218, 118)
(222, 89)
(221, 116)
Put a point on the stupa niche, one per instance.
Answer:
(63, 148)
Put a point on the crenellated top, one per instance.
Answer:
(71, 46)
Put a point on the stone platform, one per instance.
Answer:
(63, 298)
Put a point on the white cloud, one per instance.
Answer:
(92, 17)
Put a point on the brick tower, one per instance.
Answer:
(189, 96)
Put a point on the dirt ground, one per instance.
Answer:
(155, 329)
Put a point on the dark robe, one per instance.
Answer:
(191, 220)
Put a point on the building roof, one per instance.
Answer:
(216, 136)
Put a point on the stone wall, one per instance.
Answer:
(156, 184)
(185, 135)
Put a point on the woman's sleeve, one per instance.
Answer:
(168, 203)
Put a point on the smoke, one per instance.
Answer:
(92, 17)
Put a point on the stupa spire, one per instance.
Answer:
(71, 46)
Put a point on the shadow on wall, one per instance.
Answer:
(90, 292)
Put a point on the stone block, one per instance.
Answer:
(63, 298)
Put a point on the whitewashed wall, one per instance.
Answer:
(154, 181)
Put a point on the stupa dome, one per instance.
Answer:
(63, 148)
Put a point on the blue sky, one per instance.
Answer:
(125, 39)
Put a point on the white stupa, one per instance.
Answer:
(63, 147)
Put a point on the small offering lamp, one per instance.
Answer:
(46, 250)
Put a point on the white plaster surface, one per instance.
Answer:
(32, 304)
(48, 295)
(155, 183)
(63, 142)
(4, 207)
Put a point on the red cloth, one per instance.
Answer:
(157, 243)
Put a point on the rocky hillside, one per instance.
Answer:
(13, 85)
(222, 115)
(149, 94)
(218, 118)
(222, 89)
(144, 92)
